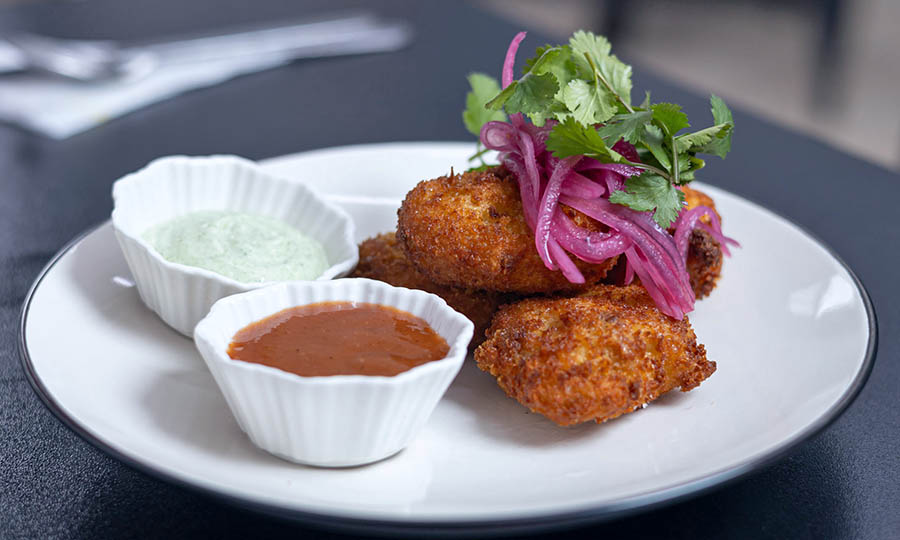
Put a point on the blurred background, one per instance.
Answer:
(826, 68)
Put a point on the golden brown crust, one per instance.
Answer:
(382, 258)
(594, 356)
(468, 230)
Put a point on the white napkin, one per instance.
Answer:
(59, 108)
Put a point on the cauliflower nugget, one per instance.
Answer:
(382, 258)
(468, 230)
(594, 356)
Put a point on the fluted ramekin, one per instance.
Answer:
(338, 420)
(172, 186)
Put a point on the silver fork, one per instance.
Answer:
(90, 60)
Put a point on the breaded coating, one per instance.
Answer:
(704, 259)
(595, 356)
(468, 230)
(382, 258)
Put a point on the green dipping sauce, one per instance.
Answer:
(244, 247)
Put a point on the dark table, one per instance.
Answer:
(843, 483)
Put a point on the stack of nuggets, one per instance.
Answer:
(571, 352)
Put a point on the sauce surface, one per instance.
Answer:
(244, 247)
(339, 338)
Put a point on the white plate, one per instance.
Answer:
(789, 325)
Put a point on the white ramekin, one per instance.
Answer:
(172, 186)
(335, 421)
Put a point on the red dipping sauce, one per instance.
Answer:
(339, 338)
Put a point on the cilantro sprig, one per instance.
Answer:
(484, 87)
(587, 90)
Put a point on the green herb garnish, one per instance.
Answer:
(587, 90)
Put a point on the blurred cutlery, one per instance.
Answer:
(94, 60)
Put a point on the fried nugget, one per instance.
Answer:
(468, 230)
(704, 259)
(594, 356)
(382, 258)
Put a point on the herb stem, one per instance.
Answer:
(479, 152)
(650, 168)
(675, 164)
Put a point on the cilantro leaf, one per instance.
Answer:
(585, 44)
(634, 200)
(669, 117)
(590, 52)
(555, 60)
(589, 103)
(556, 110)
(625, 126)
(646, 103)
(484, 87)
(618, 75)
(721, 115)
(648, 192)
(500, 99)
(654, 141)
(533, 94)
(570, 138)
(687, 165)
(538, 55)
(539, 92)
(698, 139)
(566, 80)
(692, 165)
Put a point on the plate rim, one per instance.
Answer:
(501, 526)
